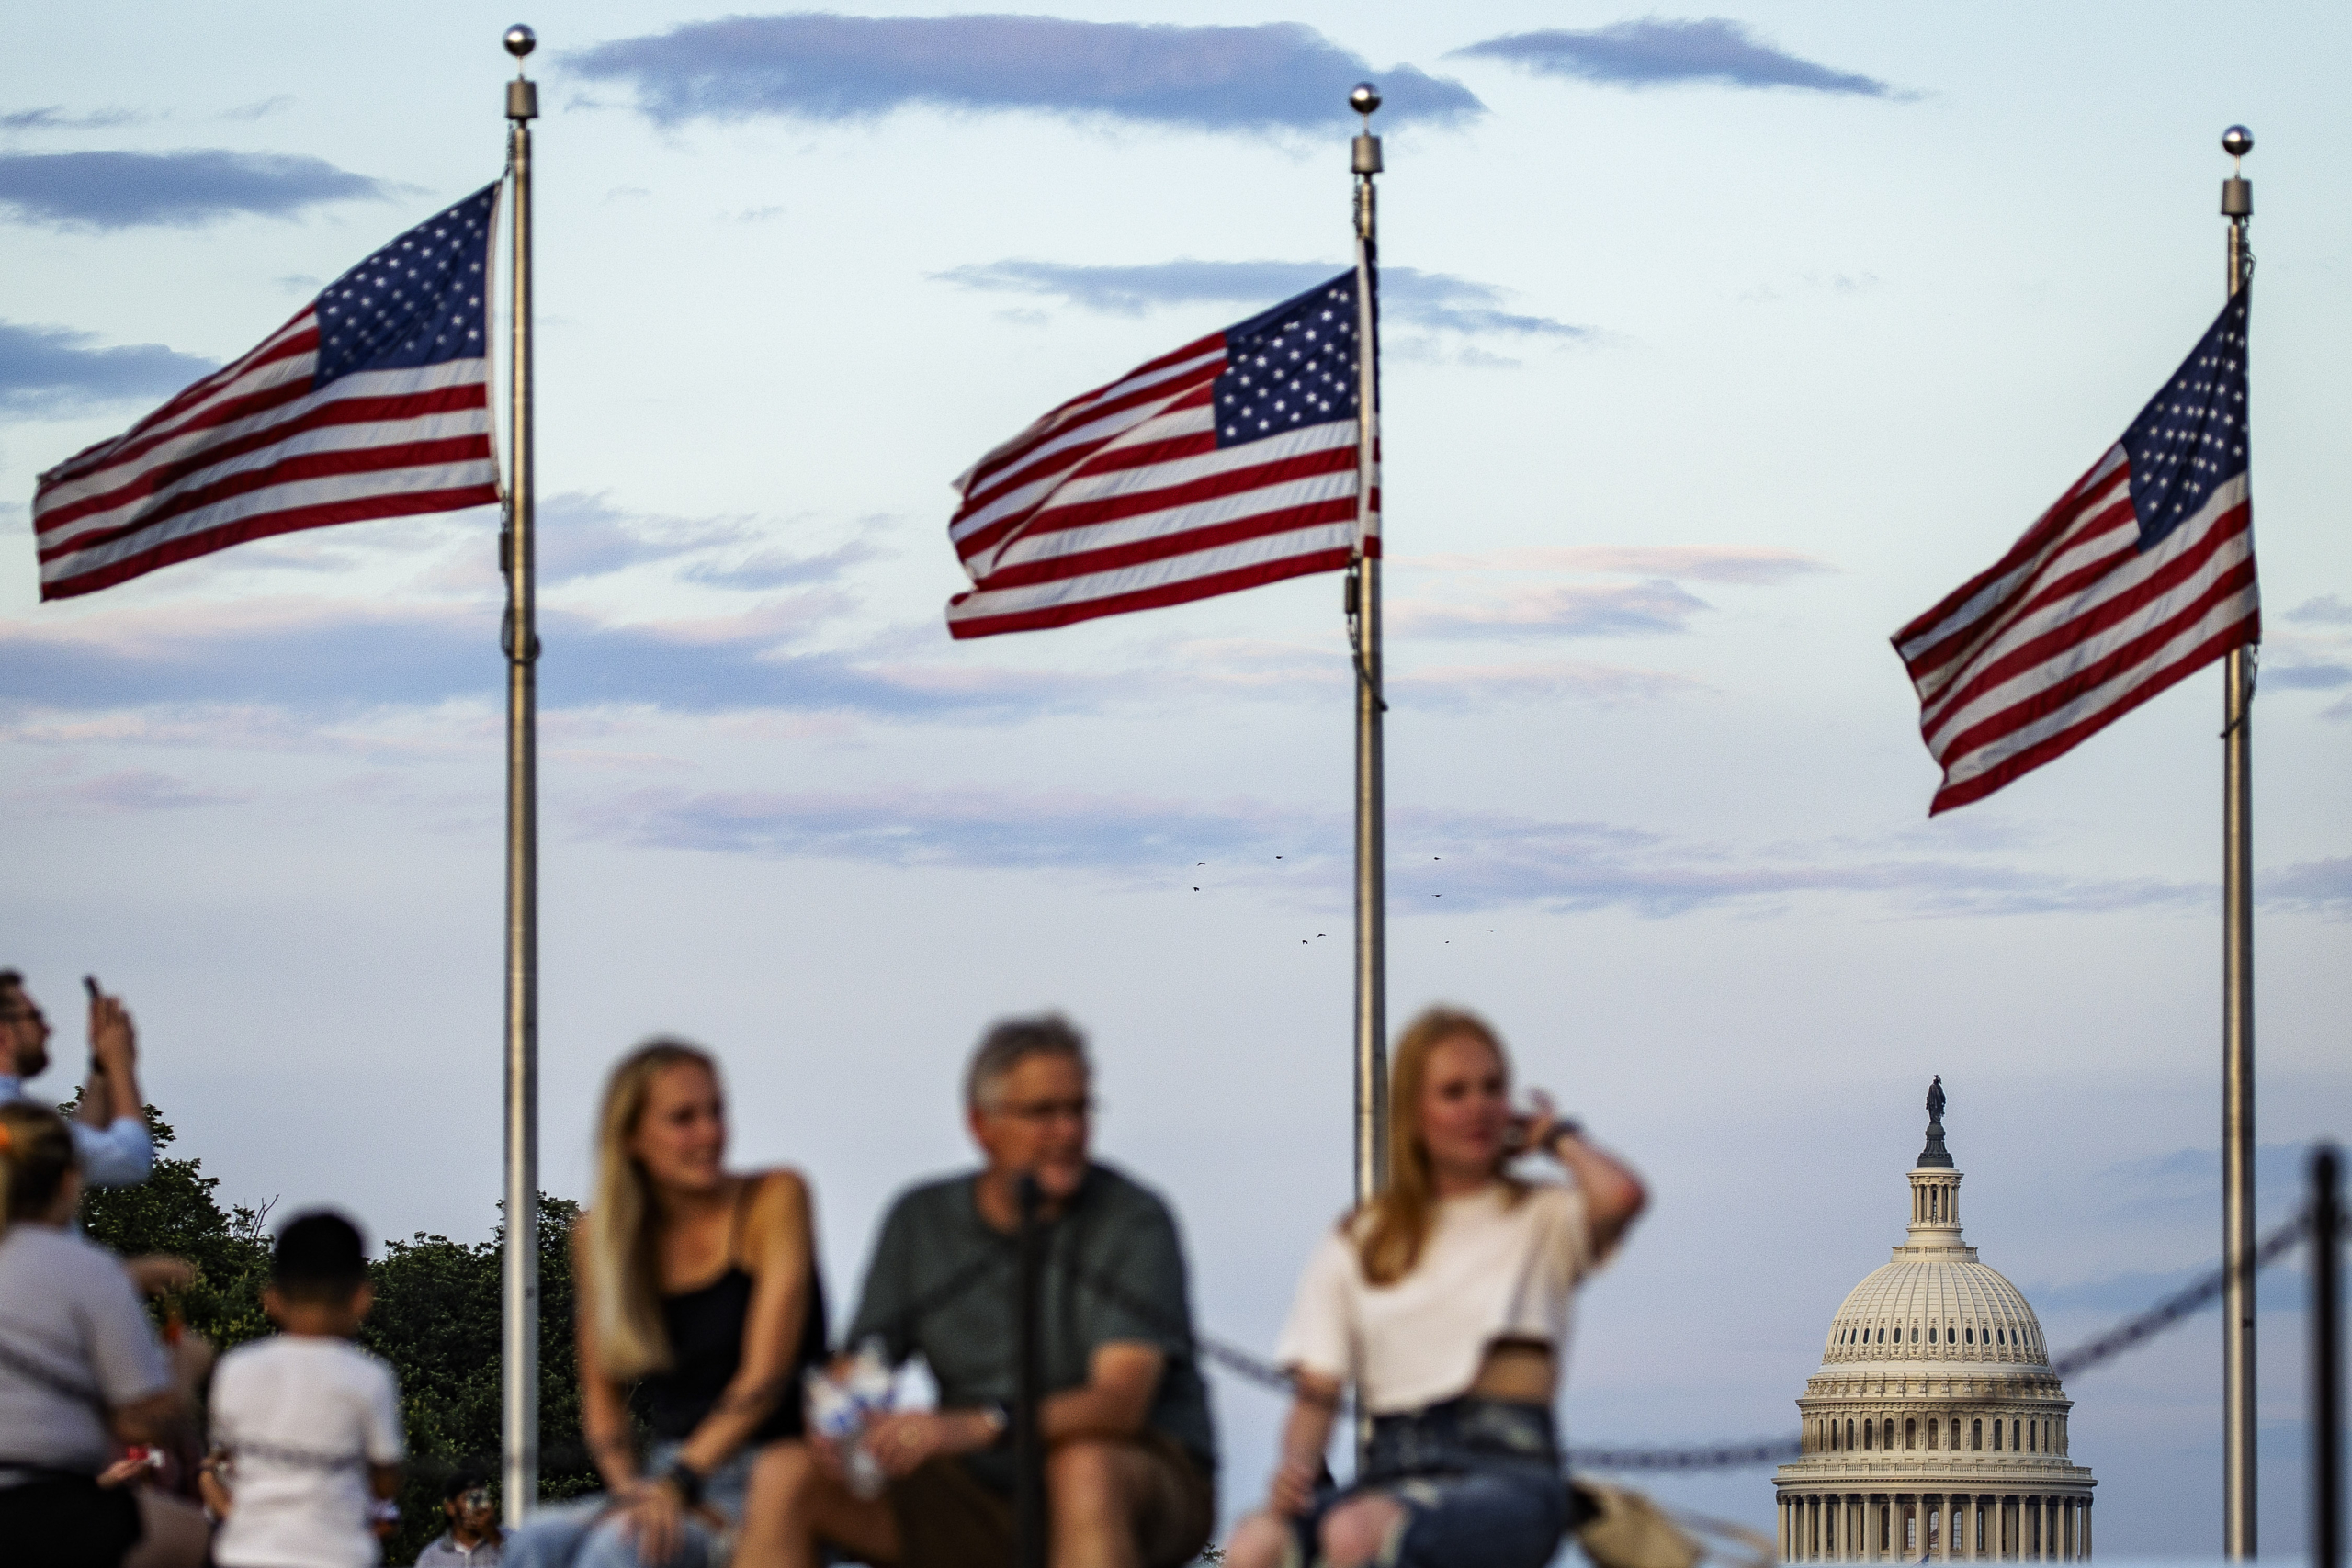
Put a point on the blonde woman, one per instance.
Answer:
(698, 1295)
(1445, 1302)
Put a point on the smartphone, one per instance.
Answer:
(90, 984)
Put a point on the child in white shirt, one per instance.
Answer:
(306, 1426)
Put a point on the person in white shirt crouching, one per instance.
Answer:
(1446, 1301)
(306, 1426)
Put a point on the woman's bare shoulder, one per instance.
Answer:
(778, 1195)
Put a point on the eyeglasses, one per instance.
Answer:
(1040, 1112)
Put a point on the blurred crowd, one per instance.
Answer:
(731, 1425)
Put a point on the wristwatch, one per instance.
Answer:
(1562, 1129)
(999, 1422)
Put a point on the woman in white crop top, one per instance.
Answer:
(1445, 1303)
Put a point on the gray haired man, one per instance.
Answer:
(1131, 1460)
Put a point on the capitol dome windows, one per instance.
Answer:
(1946, 1495)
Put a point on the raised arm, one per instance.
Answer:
(112, 1131)
(1613, 1196)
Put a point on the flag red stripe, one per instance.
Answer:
(1066, 415)
(1160, 546)
(1211, 487)
(2033, 588)
(186, 414)
(2247, 631)
(328, 413)
(1064, 460)
(2044, 531)
(2116, 664)
(1166, 449)
(383, 458)
(357, 509)
(1182, 591)
(2081, 627)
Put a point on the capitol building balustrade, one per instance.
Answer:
(1934, 1428)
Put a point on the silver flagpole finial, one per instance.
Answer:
(522, 93)
(2237, 141)
(1364, 97)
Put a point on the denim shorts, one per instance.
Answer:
(586, 1533)
(1479, 1481)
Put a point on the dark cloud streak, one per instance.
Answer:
(184, 189)
(819, 66)
(59, 370)
(1436, 300)
(1655, 52)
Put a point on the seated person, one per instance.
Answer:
(1131, 1461)
(698, 1296)
(1446, 1299)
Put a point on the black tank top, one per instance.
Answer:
(705, 1329)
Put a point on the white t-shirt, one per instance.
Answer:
(1491, 1270)
(303, 1417)
(71, 1337)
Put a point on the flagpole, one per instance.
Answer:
(1363, 616)
(519, 1275)
(2238, 1429)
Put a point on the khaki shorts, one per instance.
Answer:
(948, 1519)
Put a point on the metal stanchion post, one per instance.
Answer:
(2327, 1363)
(1028, 1439)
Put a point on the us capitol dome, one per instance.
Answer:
(1935, 1427)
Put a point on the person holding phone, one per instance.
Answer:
(1445, 1300)
(111, 1125)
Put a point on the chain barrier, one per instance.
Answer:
(2130, 1332)
(1250, 1368)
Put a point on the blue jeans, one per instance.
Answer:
(586, 1533)
(1479, 1481)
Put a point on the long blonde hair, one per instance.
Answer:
(1391, 1229)
(35, 1154)
(625, 1268)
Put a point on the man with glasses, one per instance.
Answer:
(1131, 1461)
(110, 1127)
(473, 1538)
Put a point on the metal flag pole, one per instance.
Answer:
(519, 1272)
(1363, 629)
(2237, 1004)
(2327, 1358)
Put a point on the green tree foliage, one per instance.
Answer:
(436, 1320)
(174, 1211)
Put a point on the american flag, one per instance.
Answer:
(1228, 463)
(373, 402)
(2142, 574)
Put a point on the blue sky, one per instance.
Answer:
(1720, 342)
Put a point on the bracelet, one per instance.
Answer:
(686, 1479)
(999, 1422)
(1563, 1130)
